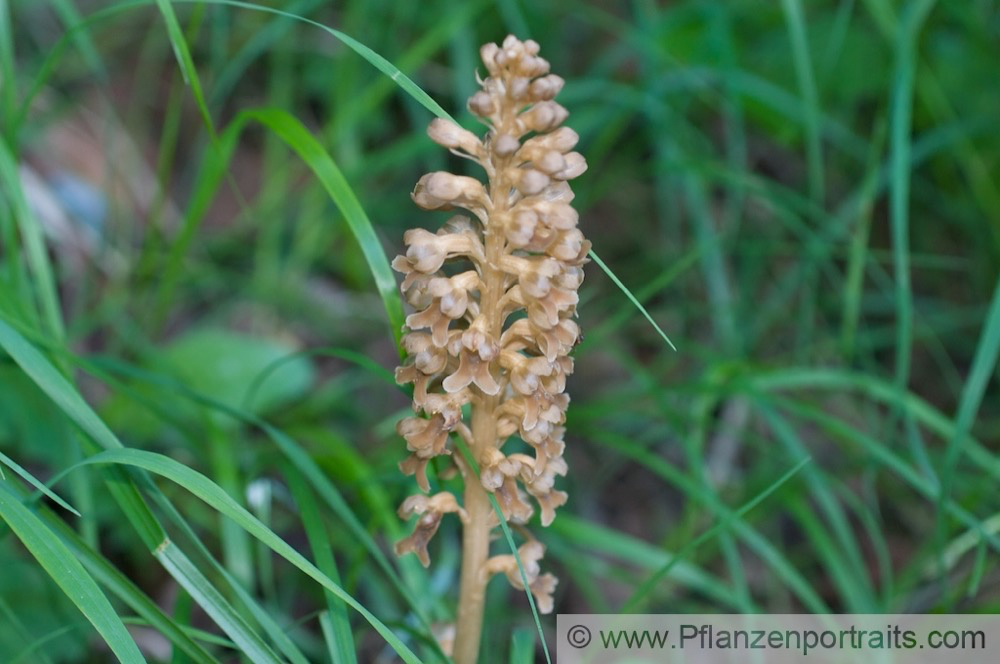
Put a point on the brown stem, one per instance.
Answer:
(472, 592)
(476, 533)
(475, 540)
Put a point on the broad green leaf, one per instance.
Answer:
(224, 363)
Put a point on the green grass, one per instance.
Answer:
(196, 401)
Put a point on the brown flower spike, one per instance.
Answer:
(495, 295)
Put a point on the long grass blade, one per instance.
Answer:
(810, 96)
(31, 479)
(899, 188)
(765, 549)
(797, 378)
(983, 364)
(69, 575)
(297, 137)
(304, 464)
(341, 645)
(214, 496)
(124, 589)
(727, 521)
(186, 62)
(631, 298)
(34, 244)
(125, 493)
(55, 385)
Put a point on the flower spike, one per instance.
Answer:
(488, 343)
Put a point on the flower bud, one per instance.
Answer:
(532, 66)
(543, 116)
(425, 251)
(442, 190)
(505, 144)
(529, 181)
(519, 88)
(575, 166)
(482, 104)
(448, 134)
(546, 87)
(488, 53)
(520, 227)
(550, 162)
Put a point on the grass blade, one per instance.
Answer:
(797, 378)
(69, 575)
(125, 493)
(8, 77)
(34, 243)
(122, 587)
(297, 137)
(342, 649)
(983, 364)
(631, 297)
(763, 547)
(214, 496)
(186, 62)
(810, 97)
(855, 582)
(899, 187)
(726, 522)
(595, 540)
(13, 465)
(55, 385)
(214, 604)
(309, 469)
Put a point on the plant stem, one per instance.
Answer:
(472, 593)
(476, 533)
(475, 542)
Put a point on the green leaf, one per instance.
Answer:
(224, 363)
(340, 642)
(297, 137)
(522, 647)
(13, 465)
(212, 601)
(55, 385)
(632, 298)
(69, 574)
(122, 587)
(218, 499)
(34, 241)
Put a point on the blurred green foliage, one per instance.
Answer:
(804, 195)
